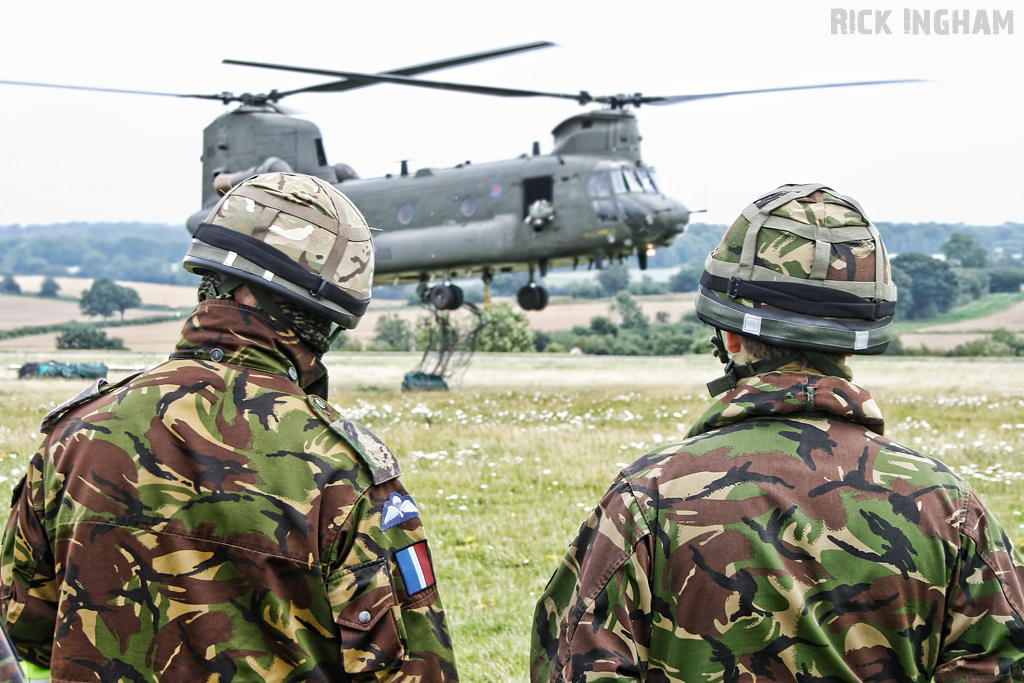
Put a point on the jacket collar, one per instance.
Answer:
(222, 331)
(790, 394)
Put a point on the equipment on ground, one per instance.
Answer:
(51, 369)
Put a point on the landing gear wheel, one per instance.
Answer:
(532, 298)
(446, 297)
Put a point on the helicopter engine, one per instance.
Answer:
(225, 181)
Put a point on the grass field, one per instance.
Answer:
(506, 466)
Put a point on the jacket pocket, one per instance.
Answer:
(364, 604)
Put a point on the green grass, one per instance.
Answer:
(979, 308)
(506, 467)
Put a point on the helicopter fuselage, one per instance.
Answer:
(546, 211)
(589, 200)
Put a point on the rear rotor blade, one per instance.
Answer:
(675, 99)
(113, 90)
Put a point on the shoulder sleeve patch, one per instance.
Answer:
(382, 463)
(97, 389)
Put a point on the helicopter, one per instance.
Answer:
(590, 200)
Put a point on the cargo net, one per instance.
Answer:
(52, 368)
(450, 347)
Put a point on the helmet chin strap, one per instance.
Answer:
(734, 373)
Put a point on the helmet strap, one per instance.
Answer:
(268, 305)
(227, 284)
(734, 373)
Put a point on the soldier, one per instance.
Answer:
(786, 539)
(214, 518)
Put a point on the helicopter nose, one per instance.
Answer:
(654, 220)
(673, 218)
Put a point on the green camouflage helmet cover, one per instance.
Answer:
(804, 268)
(294, 235)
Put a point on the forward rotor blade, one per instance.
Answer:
(675, 99)
(113, 90)
(341, 86)
(370, 79)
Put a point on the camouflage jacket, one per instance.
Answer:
(785, 539)
(209, 520)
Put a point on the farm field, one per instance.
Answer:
(506, 466)
(561, 314)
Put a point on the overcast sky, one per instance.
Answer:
(949, 150)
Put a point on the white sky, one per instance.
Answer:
(950, 150)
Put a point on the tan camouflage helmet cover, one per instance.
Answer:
(294, 235)
(802, 267)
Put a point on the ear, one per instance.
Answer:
(733, 342)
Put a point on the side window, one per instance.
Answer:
(405, 214)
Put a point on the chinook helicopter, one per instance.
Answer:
(589, 200)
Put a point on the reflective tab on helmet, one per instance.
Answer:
(860, 339)
(268, 276)
(229, 258)
(751, 324)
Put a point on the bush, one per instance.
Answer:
(1005, 279)
(392, 333)
(646, 286)
(79, 336)
(587, 289)
(506, 330)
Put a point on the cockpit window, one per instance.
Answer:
(622, 180)
(646, 180)
(619, 182)
(600, 185)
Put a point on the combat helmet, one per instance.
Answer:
(295, 236)
(802, 268)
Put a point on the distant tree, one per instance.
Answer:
(614, 278)
(392, 333)
(971, 284)
(964, 251)
(633, 317)
(904, 293)
(126, 298)
(49, 288)
(933, 284)
(9, 285)
(105, 296)
(79, 336)
(506, 330)
(688, 277)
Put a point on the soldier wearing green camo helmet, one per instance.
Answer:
(214, 518)
(804, 269)
(786, 539)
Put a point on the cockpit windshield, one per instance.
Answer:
(622, 180)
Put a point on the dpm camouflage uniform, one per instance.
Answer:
(785, 540)
(208, 520)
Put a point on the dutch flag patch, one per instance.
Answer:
(414, 563)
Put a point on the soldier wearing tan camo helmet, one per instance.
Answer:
(786, 539)
(214, 518)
